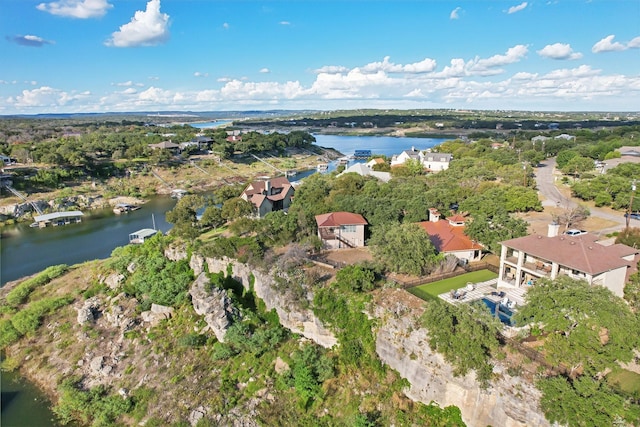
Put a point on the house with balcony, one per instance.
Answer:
(526, 259)
(269, 195)
(448, 236)
(341, 230)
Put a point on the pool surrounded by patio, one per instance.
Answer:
(503, 313)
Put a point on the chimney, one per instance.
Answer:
(434, 215)
(267, 187)
(554, 228)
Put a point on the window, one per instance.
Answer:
(348, 228)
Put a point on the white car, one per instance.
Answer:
(575, 232)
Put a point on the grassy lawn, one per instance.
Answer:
(432, 290)
(626, 381)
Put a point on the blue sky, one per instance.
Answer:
(215, 55)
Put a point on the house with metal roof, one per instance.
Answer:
(57, 218)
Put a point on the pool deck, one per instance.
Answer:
(477, 291)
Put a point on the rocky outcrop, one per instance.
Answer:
(402, 344)
(156, 314)
(296, 319)
(214, 305)
(197, 264)
(89, 310)
(113, 280)
(176, 252)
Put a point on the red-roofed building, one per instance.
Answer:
(448, 236)
(525, 259)
(341, 229)
(271, 195)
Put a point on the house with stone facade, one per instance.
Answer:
(526, 259)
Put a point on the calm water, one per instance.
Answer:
(23, 405)
(25, 251)
(387, 145)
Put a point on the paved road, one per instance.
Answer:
(545, 181)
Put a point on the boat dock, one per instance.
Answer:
(121, 208)
(139, 237)
(57, 218)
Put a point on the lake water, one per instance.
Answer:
(25, 251)
(210, 125)
(386, 145)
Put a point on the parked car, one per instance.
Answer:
(575, 232)
(633, 215)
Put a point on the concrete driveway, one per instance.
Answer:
(546, 183)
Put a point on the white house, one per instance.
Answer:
(434, 162)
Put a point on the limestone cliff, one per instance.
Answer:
(402, 344)
(298, 320)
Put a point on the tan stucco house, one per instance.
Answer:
(341, 230)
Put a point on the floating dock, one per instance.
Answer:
(121, 208)
(139, 237)
(57, 218)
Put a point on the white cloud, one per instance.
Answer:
(199, 74)
(518, 8)
(455, 13)
(225, 26)
(331, 69)
(265, 70)
(29, 40)
(81, 9)
(559, 51)
(424, 66)
(607, 45)
(47, 97)
(147, 28)
(634, 43)
(285, 23)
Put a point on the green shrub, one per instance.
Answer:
(28, 320)
(8, 334)
(21, 292)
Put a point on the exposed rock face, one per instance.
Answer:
(114, 280)
(89, 310)
(300, 321)
(214, 305)
(156, 314)
(197, 264)
(176, 253)
(402, 343)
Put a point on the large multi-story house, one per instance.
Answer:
(270, 195)
(341, 229)
(526, 259)
(434, 162)
(448, 236)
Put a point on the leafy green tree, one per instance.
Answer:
(403, 248)
(212, 217)
(355, 278)
(490, 230)
(578, 165)
(183, 217)
(466, 336)
(236, 208)
(563, 157)
(589, 329)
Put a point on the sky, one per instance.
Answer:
(93, 56)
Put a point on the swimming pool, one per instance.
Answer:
(504, 313)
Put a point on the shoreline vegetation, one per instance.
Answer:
(108, 339)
